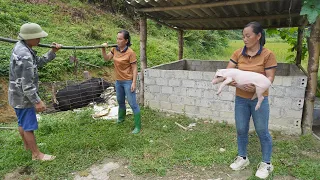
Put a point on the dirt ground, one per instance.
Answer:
(7, 113)
(116, 169)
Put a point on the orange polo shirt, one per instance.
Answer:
(263, 60)
(122, 63)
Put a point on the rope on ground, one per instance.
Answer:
(63, 47)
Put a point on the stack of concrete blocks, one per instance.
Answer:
(185, 87)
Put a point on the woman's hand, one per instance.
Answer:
(105, 45)
(133, 87)
(56, 47)
(249, 88)
(233, 83)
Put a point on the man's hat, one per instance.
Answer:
(31, 31)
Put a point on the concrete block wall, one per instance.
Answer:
(189, 90)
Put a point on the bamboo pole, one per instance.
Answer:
(313, 67)
(62, 47)
(143, 55)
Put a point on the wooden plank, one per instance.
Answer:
(143, 55)
(204, 5)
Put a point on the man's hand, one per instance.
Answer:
(133, 87)
(249, 88)
(40, 106)
(56, 47)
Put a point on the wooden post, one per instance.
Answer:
(143, 55)
(299, 45)
(180, 41)
(313, 66)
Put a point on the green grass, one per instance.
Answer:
(79, 141)
(280, 49)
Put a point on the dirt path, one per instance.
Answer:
(7, 113)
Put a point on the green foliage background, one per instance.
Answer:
(76, 23)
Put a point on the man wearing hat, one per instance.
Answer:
(23, 86)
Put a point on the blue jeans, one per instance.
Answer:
(123, 89)
(244, 109)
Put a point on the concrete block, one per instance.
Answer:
(191, 109)
(153, 104)
(181, 74)
(275, 112)
(153, 89)
(297, 104)
(166, 90)
(179, 108)
(292, 113)
(168, 74)
(277, 81)
(188, 83)
(232, 89)
(227, 96)
(295, 92)
(149, 81)
(148, 96)
(165, 105)
(210, 94)
(195, 75)
(204, 102)
(303, 82)
(282, 102)
(146, 73)
(180, 91)
(222, 106)
(188, 101)
(174, 82)
(192, 92)
(175, 99)
(161, 97)
(278, 91)
(208, 76)
(286, 81)
(204, 85)
(154, 72)
(227, 115)
(161, 81)
(208, 111)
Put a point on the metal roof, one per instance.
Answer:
(221, 14)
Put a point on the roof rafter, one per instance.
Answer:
(205, 5)
(248, 18)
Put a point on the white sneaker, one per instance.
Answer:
(264, 170)
(239, 163)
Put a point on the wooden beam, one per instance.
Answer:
(204, 5)
(143, 55)
(247, 18)
(163, 23)
(299, 45)
(313, 67)
(180, 41)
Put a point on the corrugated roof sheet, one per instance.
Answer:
(222, 14)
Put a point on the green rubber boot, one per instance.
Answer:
(137, 123)
(121, 115)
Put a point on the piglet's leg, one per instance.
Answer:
(254, 96)
(259, 92)
(224, 83)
